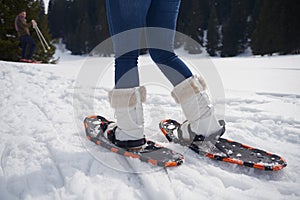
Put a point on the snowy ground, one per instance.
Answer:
(44, 154)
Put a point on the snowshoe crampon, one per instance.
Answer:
(229, 151)
(151, 152)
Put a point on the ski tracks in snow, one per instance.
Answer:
(265, 117)
(28, 128)
(44, 157)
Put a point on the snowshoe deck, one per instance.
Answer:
(235, 152)
(152, 152)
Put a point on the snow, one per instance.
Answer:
(44, 154)
(46, 2)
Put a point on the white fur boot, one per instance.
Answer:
(198, 110)
(129, 114)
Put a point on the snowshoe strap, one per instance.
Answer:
(195, 137)
(222, 123)
(124, 144)
(130, 143)
(214, 135)
(192, 135)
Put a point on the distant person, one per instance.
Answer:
(27, 42)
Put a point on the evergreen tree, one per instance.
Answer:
(223, 9)
(82, 24)
(277, 28)
(42, 21)
(270, 26)
(56, 17)
(236, 30)
(9, 9)
(8, 38)
(192, 21)
(263, 37)
(213, 38)
(292, 27)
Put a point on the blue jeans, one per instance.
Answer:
(27, 41)
(132, 16)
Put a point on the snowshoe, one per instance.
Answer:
(228, 150)
(151, 152)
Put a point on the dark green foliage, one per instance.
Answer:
(277, 29)
(232, 26)
(9, 40)
(8, 37)
(192, 21)
(213, 37)
(236, 29)
(82, 24)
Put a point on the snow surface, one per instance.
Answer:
(44, 154)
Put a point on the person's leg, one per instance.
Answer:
(163, 15)
(189, 90)
(127, 97)
(32, 45)
(23, 46)
(126, 15)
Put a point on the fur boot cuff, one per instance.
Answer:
(124, 98)
(188, 88)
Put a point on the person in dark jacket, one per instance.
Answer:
(27, 42)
